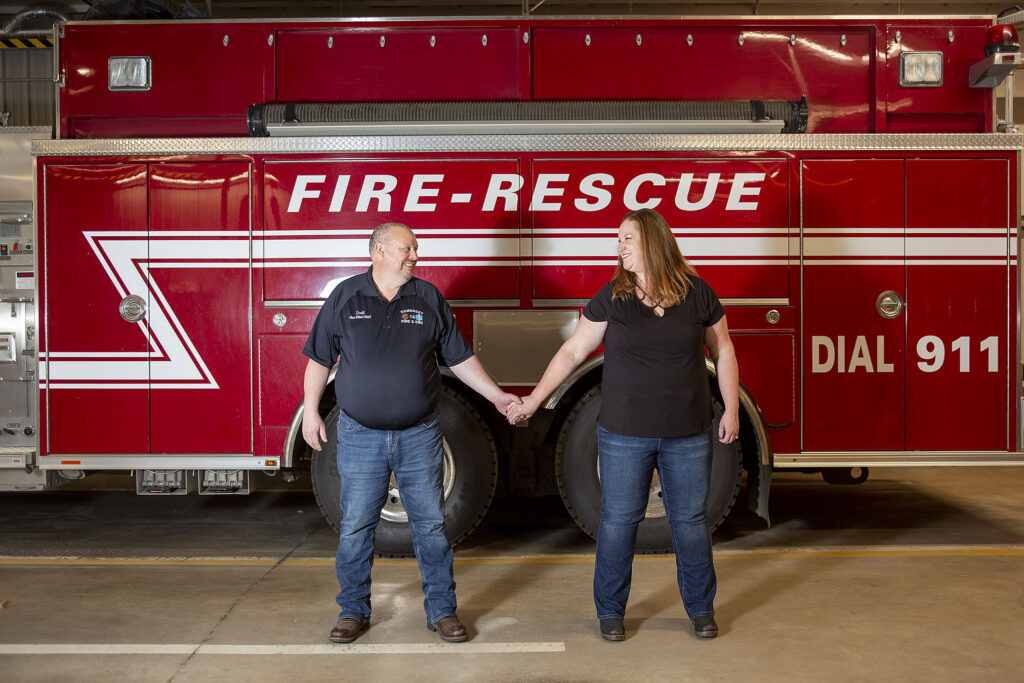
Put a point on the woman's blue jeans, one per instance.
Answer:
(366, 459)
(626, 465)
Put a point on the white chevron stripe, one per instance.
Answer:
(129, 258)
(692, 247)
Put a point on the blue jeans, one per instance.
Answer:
(366, 459)
(626, 465)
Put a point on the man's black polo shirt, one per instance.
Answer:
(387, 370)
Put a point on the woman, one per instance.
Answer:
(655, 318)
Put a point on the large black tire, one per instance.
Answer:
(580, 487)
(471, 474)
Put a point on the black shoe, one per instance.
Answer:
(705, 627)
(612, 629)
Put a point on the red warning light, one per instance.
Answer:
(1001, 38)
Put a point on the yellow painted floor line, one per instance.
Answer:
(144, 561)
(820, 552)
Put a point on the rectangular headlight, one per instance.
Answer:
(921, 69)
(129, 73)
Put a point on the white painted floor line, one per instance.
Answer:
(94, 649)
(384, 648)
(209, 649)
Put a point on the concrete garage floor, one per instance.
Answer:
(917, 574)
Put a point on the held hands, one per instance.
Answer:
(505, 401)
(313, 429)
(516, 413)
(729, 427)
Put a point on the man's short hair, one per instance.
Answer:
(381, 232)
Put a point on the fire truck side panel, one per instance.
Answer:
(643, 62)
(768, 362)
(730, 216)
(959, 341)
(97, 368)
(853, 359)
(281, 333)
(849, 71)
(870, 281)
(199, 271)
(394, 64)
(281, 366)
(188, 104)
(1015, 371)
(941, 109)
(155, 127)
(272, 441)
(319, 216)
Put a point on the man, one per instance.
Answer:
(387, 326)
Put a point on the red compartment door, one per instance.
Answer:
(853, 251)
(198, 271)
(97, 367)
(958, 283)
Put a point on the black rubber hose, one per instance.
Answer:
(254, 119)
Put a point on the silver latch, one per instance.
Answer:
(15, 218)
(889, 305)
(133, 308)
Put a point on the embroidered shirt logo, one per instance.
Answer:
(410, 316)
(360, 315)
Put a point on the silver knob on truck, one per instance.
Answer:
(889, 305)
(133, 308)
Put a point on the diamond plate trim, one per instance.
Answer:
(17, 450)
(535, 143)
(23, 130)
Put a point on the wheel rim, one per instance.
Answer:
(655, 501)
(394, 511)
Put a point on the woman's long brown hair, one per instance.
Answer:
(666, 271)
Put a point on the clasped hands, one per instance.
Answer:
(516, 409)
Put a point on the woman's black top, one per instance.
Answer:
(655, 383)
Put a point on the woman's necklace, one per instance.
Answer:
(656, 306)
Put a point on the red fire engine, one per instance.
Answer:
(842, 183)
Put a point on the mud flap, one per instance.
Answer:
(759, 483)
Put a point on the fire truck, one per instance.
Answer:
(845, 184)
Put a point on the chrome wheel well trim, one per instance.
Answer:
(752, 410)
(295, 425)
(746, 402)
(572, 379)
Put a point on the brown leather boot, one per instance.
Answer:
(450, 629)
(346, 630)
(705, 627)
